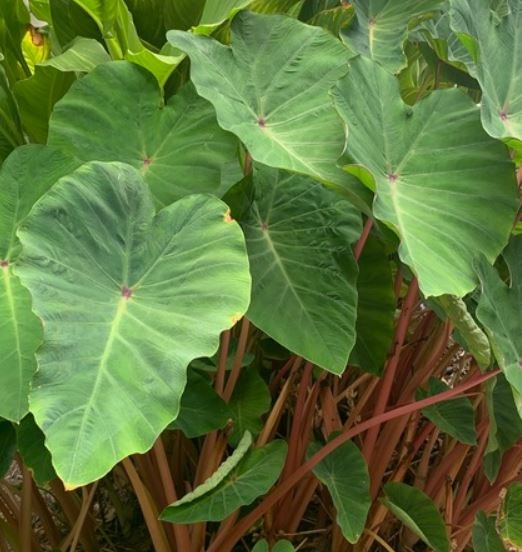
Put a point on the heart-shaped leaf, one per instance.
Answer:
(126, 304)
(510, 518)
(116, 113)
(298, 238)
(455, 417)
(418, 512)
(26, 175)
(276, 99)
(380, 29)
(279, 546)
(251, 399)
(444, 186)
(202, 410)
(485, 536)
(345, 474)
(494, 40)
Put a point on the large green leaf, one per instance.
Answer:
(455, 417)
(380, 29)
(510, 518)
(417, 511)
(500, 311)
(345, 474)
(126, 304)
(7, 446)
(493, 37)
(298, 237)
(444, 186)
(116, 113)
(250, 400)
(202, 410)
(375, 308)
(285, 116)
(26, 175)
(485, 536)
(256, 472)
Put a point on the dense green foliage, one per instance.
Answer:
(254, 254)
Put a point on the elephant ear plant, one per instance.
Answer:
(260, 275)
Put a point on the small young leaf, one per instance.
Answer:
(485, 537)
(202, 410)
(455, 417)
(36, 456)
(279, 546)
(255, 473)
(345, 474)
(417, 511)
(250, 400)
(510, 518)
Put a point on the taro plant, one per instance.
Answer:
(260, 275)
